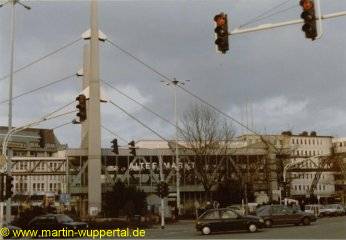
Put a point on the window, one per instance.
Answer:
(212, 215)
(305, 141)
(228, 214)
(324, 187)
(300, 187)
(309, 142)
(277, 209)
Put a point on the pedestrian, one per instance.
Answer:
(208, 206)
(302, 206)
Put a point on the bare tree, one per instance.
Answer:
(208, 137)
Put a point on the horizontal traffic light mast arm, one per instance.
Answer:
(282, 24)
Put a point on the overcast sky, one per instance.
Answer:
(291, 82)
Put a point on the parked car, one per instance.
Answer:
(55, 222)
(331, 210)
(225, 219)
(281, 214)
(238, 209)
(313, 209)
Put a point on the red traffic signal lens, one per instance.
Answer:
(307, 5)
(220, 20)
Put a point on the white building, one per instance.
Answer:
(37, 165)
(311, 146)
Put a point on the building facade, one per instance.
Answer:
(38, 168)
(313, 147)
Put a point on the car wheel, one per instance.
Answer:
(206, 230)
(268, 223)
(252, 227)
(306, 221)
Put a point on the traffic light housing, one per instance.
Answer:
(9, 187)
(309, 16)
(162, 189)
(132, 148)
(81, 106)
(115, 148)
(221, 32)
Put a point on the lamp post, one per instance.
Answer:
(12, 40)
(175, 84)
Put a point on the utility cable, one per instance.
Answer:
(142, 105)
(276, 13)
(167, 78)
(114, 134)
(39, 88)
(138, 60)
(255, 19)
(139, 121)
(192, 94)
(43, 57)
(62, 125)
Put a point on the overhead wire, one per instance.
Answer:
(168, 79)
(114, 134)
(139, 121)
(142, 105)
(138, 60)
(259, 17)
(39, 88)
(62, 125)
(190, 93)
(42, 58)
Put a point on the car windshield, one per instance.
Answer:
(211, 215)
(64, 219)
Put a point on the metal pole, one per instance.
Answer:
(176, 149)
(162, 199)
(94, 119)
(9, 158)
(281, 24)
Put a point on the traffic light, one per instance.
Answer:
(81, 106)
(9, 187)
(115, 146)
(162, 189)
(221, 32)
(132, 148)
(309, 17)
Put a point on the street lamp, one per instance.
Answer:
(12, 40)
(175, 84)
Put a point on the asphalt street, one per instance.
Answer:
(325, 228)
